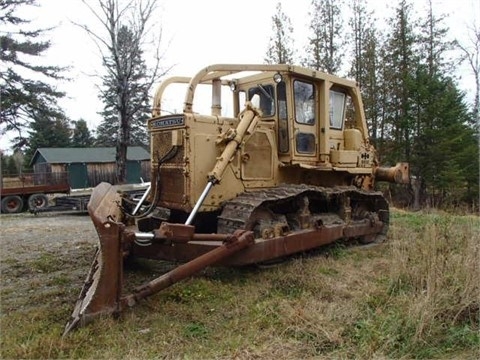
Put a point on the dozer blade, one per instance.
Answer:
(102, 289)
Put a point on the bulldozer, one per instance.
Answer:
(280, 164)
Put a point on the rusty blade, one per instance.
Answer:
(102, 289)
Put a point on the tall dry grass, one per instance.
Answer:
(435, 274)
(414, 296)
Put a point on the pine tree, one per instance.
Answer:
(47, 132)
(429, 88)
(400, 63)
(365, 68)
(443, 146)
(359, 26)
(280, 48)
(136, 106)
(3, 163)
(325, 51)
(22, 97)
(12, 166)
(435, 43)
(8, 165)
(81, 136)
(445, 140)
(426, 121)
(126, 85)
(107, 130)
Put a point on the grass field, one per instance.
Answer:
(415, 296)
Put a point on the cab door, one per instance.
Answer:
(306, 119)
(257, 155)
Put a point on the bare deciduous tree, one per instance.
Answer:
(120, 65)
(472, 56)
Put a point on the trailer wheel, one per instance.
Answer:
(37, 201)
(12, 204)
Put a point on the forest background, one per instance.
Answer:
(405, 60)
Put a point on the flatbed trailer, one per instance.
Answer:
(77, 200)
(28, 191)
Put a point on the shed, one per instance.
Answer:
(87, 167)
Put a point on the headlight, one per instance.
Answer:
(277, 77)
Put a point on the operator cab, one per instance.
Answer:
(293, 104)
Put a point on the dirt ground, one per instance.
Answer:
(43, 255)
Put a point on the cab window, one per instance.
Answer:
(304, 102)
(266, 96)
(283, 145)
(337, 109)
(242, 99)
(305, 142)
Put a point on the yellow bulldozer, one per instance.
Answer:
(290, 169)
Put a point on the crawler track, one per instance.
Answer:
(289, 208)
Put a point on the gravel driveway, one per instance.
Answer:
(45, 256)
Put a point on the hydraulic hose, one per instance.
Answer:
(168, 156)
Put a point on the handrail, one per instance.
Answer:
(217, 71)
(157, 99)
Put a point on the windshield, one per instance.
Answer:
(266, 94)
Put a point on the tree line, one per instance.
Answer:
(29, 107)
(406, 72)
(405, 69)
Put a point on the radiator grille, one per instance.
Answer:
(161, 145)
(172, 172)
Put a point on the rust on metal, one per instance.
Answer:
(103, 286)
(270, 232)
(237, 242)
(258, 186)
(33, 183)
(175, 232)
(263, 249)
(400, 173)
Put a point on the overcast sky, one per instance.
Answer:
(197, 33)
